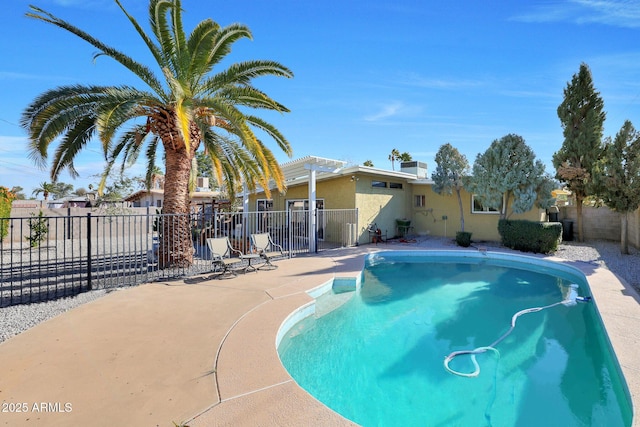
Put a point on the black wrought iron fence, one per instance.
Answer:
(48, 257)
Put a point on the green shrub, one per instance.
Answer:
(6, 199)
(38, 229)
(530, 236)
(463, 238)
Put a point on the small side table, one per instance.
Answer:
(250, 257)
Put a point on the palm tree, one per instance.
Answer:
(194, 107)
(45, 188)
(395, 155)
(405, 157)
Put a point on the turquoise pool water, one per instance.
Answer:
(378, 358)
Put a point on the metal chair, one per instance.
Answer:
(222, 255)
(267, 249)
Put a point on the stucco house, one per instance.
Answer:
(382, 197)
(154, 197)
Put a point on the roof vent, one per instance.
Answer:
(417, 168)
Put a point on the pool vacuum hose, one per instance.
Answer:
(570, 299)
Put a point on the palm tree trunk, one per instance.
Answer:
(176, 246)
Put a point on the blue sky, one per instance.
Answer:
(370, 75)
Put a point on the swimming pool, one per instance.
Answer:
(378, 359)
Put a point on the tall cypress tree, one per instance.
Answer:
(582, 118)
(618, 176)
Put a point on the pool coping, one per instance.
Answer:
(202, 352)
(258, 381)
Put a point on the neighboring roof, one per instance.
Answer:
(203, 194)
(141, 193)
(194, 195)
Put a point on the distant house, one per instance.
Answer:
(85, 201)
(154, 197)
(387, 198)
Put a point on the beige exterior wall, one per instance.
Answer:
(338, 193)
(598, 223)
(60, 227)
(385, 205)
(430, 219)
(603, 224)
(381, 205)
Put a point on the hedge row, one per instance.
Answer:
(530, 236)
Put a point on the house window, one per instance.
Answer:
(158, 203)
(303, 204)
(379, 184)
(397, 185)
(477, 207)
(420, 201)
(263, 205)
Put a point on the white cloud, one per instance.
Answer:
(617, 13)
(431, 83)
(386, 111)
(81, 3)
(13, 145)
(530, 94)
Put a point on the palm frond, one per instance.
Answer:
(241, 74)
(200, 44)
(120, 105)
(152, 47)
(232, 164)
(226, 37)
(134, 139)
(231, 119)
(249, 96)
(158, 10)
(183, 120)
(74, 141)
(274, 170)
(123, 144)
(181, 54)
(54, 113)
(280, 139)
(144, 73)
(152, 149)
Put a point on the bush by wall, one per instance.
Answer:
(463, 238)
(530, 236)
(6, 198)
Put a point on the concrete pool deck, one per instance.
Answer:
(201, 351)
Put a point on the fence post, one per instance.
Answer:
(69, 223)
(357, 229)
(315, 226)
(89, 260)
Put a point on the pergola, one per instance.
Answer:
(306, 168)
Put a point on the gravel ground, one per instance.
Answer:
(606, 254)
(16, 319)
(19, 318)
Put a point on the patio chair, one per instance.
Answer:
(268, 250)
(375, 234)
(222, 256)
